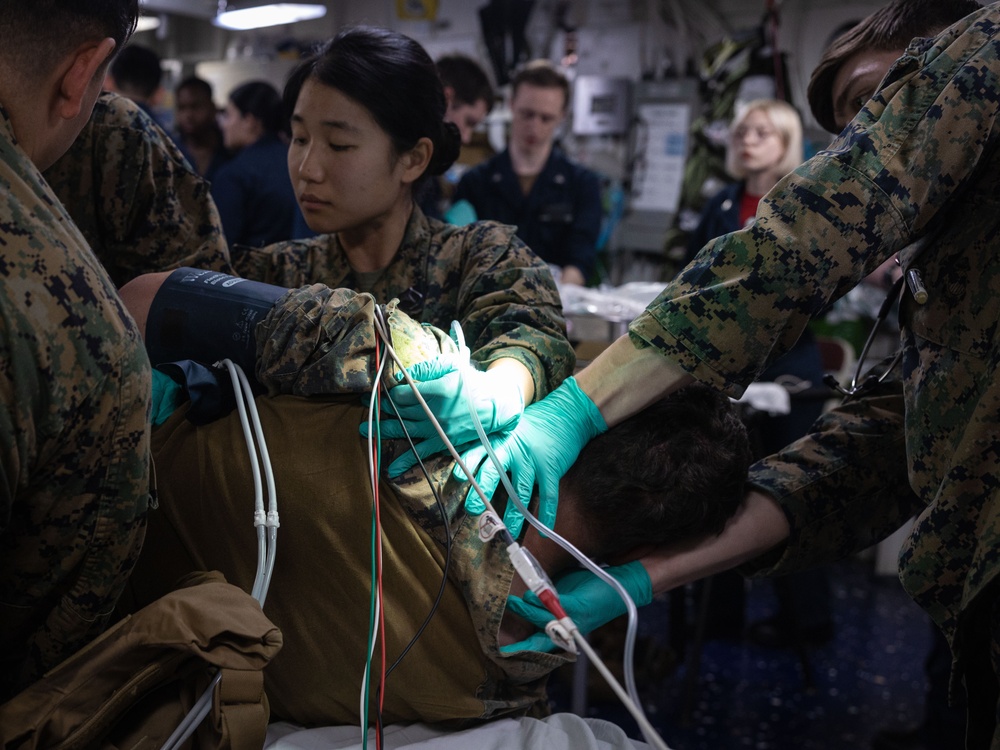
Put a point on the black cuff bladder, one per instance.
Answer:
(207, 316)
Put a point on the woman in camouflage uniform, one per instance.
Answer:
(367, 117)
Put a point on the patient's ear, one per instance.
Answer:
(138, 294)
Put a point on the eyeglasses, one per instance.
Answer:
(861, 383)
(760, 134)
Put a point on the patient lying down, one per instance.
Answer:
(671, 473)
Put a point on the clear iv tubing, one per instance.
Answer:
(631, 699)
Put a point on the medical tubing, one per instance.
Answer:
(375, 612)
(632, 629)
(272, 495)
(648, 732)
(433, 420)
(631, 699)
(447, 550)
(267, 543)
(194, 717)
(260, 517)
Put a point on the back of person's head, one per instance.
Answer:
(785, 119)
(889, 29)
(466, 78)
(394, 78)
(197, 86)
(261, 100)
(542, 74)
(35, 35)
(137, 72)
(672, 472)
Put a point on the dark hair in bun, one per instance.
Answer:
(394, 78)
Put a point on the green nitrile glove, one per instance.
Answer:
(495, 396)
(589, 601)
(544, 444)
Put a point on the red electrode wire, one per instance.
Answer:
(378, 562)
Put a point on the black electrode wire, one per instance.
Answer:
(382, 330)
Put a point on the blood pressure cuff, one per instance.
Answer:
(207, 316)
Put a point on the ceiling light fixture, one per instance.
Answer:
(241, 16)
(147, 23)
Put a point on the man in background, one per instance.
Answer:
(137, 74)
(469, 96)
(554, 202)
(196, 124)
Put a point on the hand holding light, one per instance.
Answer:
(496, 398)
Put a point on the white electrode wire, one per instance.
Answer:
(260, 516)
(266, 541)
(272, 495)
(373, 478)
(430, 415)
(631, 700)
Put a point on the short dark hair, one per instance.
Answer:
(262, 100)
(887, 29)
(35, 35)
(467, 78)
(394, 78)
(137, 71)
(543, 74)
(199, 85)
(672, 472)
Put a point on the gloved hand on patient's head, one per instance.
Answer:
(540, 449)
(443, 382)
(589, 601)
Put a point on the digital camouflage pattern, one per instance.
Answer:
(481, 275)
(920, 159)
(135, 198)
(74, 439)
(319, 341)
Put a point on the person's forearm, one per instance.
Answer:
(514, 370)
(757, 526)
(623, 379)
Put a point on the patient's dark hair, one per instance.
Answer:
(672, 472)
(888, 29)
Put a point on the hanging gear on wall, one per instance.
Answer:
(745, 66)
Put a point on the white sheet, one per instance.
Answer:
(557, 732)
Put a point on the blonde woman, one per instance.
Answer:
(765, 144)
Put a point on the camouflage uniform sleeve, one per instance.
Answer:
(139, 203)
(322, 341)
(746, 297)
(510, 307)
(290, 264)
(74, 464)
(843, 487)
